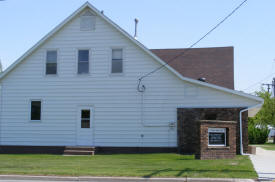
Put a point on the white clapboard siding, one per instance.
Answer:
(116, 102)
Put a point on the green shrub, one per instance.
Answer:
(257, 134)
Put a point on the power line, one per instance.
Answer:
(195, 43)
(259, 82)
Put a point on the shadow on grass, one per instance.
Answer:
(181, 172)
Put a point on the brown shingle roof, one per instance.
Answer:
(215, 64)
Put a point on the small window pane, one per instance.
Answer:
(85, 123)
(85, 114)
(83, 67)
(83, 55)
(51, 68)
(216, 138)
(51, 56)
(117, 54)
(85, 118)
(116, 66)
(35, 110)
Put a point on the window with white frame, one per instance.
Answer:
(87, 21)
(35, 110)
(117, 61)
(83, 61)
(217, 136)
(51, 62)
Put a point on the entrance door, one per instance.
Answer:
(85, 126)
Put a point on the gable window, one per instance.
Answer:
(85, 118)
(117, 61)
(83, 61)
(87, 21)
(51, 62)
(217, 136)
(35, 110)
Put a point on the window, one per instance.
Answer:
(217, 136)
(87, 21)
(117, 66)
(51, 63)
(85, 118)
(83, 61)
(35, 110)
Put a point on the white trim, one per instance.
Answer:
(30, 110)
(78, 123)
(57, 62)
(111, 61)
(1, 106)
(137, 43)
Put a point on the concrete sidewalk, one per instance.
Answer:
(264, 164)
(23, 178)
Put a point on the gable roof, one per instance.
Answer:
(214, 63)
(137, 43)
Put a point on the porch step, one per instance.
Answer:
(72, 150)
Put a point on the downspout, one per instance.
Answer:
(241, 125)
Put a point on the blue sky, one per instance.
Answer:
(162, 24)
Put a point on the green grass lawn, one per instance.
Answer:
(142, 165)
(267, 146)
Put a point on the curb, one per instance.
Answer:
(119, 179)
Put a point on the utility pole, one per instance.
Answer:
(268, 86)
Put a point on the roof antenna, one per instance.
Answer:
(136, 22)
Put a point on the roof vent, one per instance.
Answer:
(136, 22)
(202, 79)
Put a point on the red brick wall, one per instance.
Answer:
(213, 152)
(188, 140)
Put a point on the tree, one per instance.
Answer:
(266, 116)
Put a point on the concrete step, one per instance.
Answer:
(80, 148)
(78, 152)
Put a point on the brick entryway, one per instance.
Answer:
(188, 129)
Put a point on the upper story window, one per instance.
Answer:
(87, 21)
(51, 62)
(83, 61)
(117, 61)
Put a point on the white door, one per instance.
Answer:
(85, 126)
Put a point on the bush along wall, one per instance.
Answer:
(257, 133)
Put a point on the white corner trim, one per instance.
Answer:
(1, 101)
